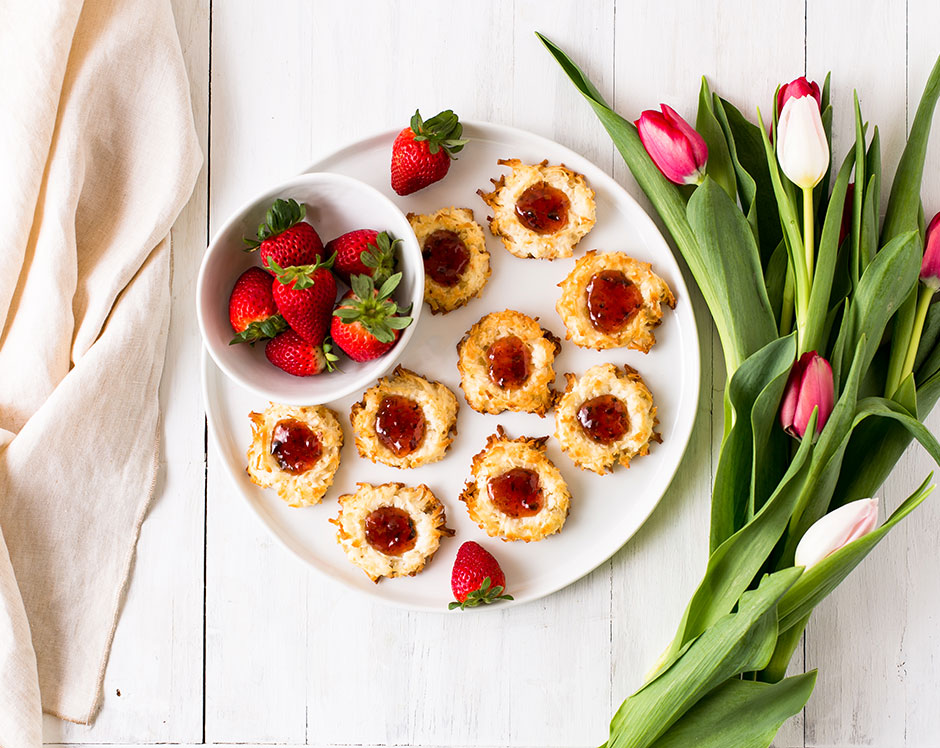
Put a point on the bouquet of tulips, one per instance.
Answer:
(832, 352)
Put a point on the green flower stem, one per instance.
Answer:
(925, 294)
(809, 239)
(809, 254)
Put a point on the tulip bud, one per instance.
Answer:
(930, 267)
(810, 386)
(796, 89)
(836, 530)
(674, 146)
(802, 148)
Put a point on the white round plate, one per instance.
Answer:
(605, 510)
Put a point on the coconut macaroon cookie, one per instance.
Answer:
(405, 420)
(604, 417)
(295, 450)
(390, 530)
(505, 363)
(610, 300)
(515, 492)
(456, 263)
(539, 210)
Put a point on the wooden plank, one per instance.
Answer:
(153, 684)
(919, 661)
(661, 53)
(256, 639)
(861, 697)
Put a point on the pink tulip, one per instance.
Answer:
(797, 89)
(930, 267)
(676, 148)
(836, 530)
(809, 386)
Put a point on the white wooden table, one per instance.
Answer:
(225, 638)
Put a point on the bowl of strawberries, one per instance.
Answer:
(311, 291)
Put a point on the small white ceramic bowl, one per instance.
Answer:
(335, 204)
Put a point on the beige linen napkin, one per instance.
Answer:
(98, 154)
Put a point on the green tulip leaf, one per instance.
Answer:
(719, 165)
(737, 642)
(775, 278)
(886, 281)
(819, 580)
(858, 197)
(727, 243)
(740, 713)
(735, 564)
(884, 408)
(904, 201)
(868, 238)
(764, 371)
(750, 164)
(821, 293)
(927, 362)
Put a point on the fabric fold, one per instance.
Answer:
(98, 155)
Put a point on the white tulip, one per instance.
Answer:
(835, 530)
(802, 148)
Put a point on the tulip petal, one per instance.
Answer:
(930, 268)
(796, 89)
(816, 391)
(668, 147)
(802, 148)
(835, 530)
(699, 148)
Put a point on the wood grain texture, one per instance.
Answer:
(292, 659)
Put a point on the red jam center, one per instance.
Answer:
(604, 419)
(399, 425)
(295, 447)
(516, 492)
(509, 362)
(612, 300)
(445, 257)
(543, 208)
(390, 530)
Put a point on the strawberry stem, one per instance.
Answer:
(279, 217)
(302, 275)
(484, 595)
(443, 130)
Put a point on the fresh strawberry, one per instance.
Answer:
(304, 295)
(251, 308)
(476, 578)
(293, 354)
(367, 322)
(421, 153)
(285, 238)
(364, 252)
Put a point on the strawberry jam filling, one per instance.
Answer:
(399, 425)
(543, 208)
(295, 447)
(445, 257)
(604, 419)
(509, 362)
(516, 492)
(612, 300)
(390, 530)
